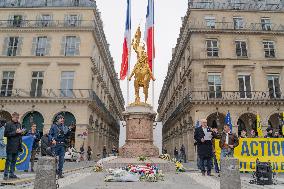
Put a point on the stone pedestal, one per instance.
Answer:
(45, 173)
(139, 132)
(230, 174)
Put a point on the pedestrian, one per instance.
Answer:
(82, 153)
(276, 135)
(58, 135)
(2, 143)
(44, 145)
(215, 162)
(89, 153)
(243, 133)
(36, 135)
(228, 142)
(182, 153)
(114, 151)
(176, 153)
(165, 151)
(203, 135)
(269, 131)
(104, 152)
(253, 134)
(13, 132)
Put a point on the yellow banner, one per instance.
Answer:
(265, 149)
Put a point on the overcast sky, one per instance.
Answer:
(168, 15)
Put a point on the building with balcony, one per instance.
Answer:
(55, 60)
(229, 57)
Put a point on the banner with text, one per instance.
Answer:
(265, 149)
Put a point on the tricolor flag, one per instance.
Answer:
(228, 121)
(126, 43)
(258, 126)
(149, 33)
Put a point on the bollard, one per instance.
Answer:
(45, 173)
(230, 174)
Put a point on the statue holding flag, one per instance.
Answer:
(141, 71)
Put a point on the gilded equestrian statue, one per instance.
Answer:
(142, 72)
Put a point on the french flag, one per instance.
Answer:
(149, 33)
(126, 43)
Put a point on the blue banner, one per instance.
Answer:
(24, 157)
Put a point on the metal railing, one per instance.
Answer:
(244, 5)
(232, 26)
(201, 96)
(46, 24)
(56, 94)
(46, 3)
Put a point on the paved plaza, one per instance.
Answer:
(88, 179)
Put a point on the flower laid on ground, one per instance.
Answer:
(179, 167)
(98, 168)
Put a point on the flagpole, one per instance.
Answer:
(153, 71)
(129, 52)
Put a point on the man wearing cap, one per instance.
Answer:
(58, 135)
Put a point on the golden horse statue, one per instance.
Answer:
(142, 72)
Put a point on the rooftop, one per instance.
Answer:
(46, 3)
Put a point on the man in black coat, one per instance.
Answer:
(203, 136)
(13, 132)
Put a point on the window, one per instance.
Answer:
(41, 46)
(17, 20)
(70, 46)
(245, 86)
(238, 23)
(210, 22)
(13, 46)
(73, 20)
(274, 86)
(45, 20)
(76, 3)
(215, 85)
(236, 4)
(266, 24)
(269, 50)
(241, 49)
(212, 48)
(36, 85)
(7, 83)
(67, 79)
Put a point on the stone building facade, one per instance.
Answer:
(55, 60)
(228, 57)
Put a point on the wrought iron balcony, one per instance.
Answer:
(230, 26)
(46, 24)
(243, 5)
(46, 3)
(224, 96)
(59, 94)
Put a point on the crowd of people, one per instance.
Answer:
(55, 143)
(205, 142)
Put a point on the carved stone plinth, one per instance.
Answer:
(230, 174)
(139, 132)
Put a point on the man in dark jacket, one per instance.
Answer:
(228, 142)
(36, 135)
(58, 135)
(13, 132)
(203, 136)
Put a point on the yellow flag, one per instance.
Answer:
(258, 126)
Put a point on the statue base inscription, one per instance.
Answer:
(139, 132)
